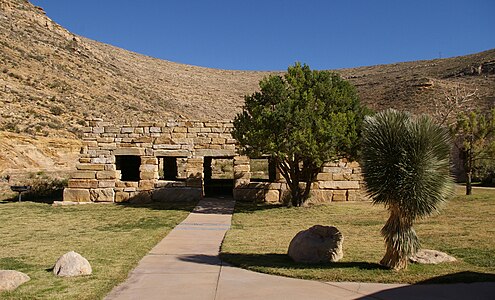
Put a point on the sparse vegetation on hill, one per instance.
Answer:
(51, 80)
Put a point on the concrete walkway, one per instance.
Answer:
(185, 265)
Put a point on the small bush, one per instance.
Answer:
(56, 110)
(44, 188)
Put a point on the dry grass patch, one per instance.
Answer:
(260, 236)
(112, 237)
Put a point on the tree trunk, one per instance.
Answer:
(296, 195)
(469, 186)
(469, 172)
(400, 240)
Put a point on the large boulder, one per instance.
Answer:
(317, 244)
(10, 279)
(72, 264)
(425, 256)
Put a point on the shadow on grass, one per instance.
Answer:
(275, 260)
(461, 277)
(251, 207)
(463, 285)
(165, 205)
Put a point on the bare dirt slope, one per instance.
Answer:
(51, 80)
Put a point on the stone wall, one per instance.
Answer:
(99, 178)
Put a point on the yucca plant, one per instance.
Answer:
(405, 164)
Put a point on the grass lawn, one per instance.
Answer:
(261, 234)
(112, 237)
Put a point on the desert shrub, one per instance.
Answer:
(56, 110)
(44, 188)
(12, 127)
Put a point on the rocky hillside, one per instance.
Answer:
(51, 80)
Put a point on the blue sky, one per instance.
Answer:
(273, 34)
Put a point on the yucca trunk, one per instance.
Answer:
(400, 239)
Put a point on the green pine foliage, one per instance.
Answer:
(405, 164)
(476, 133)
(301, 120)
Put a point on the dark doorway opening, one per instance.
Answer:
(128, 166)
(218, 177)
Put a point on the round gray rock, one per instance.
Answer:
(317, 244)
(72, 264)
(431, 257)
(10, 279)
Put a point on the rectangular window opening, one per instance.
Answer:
(262, 169)
(128, 165)
(172, 168)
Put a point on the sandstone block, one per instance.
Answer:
(99, 160)
(146, 185)
(193, 129)
(83, 183)
(332, 170)
(90, 167)
(102, 195)
(121, 196)
(149, 160)
(176, 153)
(342, 177)
(178, 135)
(180, 129)
(84, 160)
(106, 183)
(272, 196)
(84, 175)
(338, 185)
(143, 139)
(155, 129)
(339, 195)
(98, 130)
(148, 168)
(320, 196)
(110, 167)
(148, 175)
(230, 147)
(134, 184)
(215, 153)
(127, 130)
(167, 146)
(106, 175)
(217, 129)
(76, 195)
(129, 151)
(90, 144)
(241, 160)
(352, 195)
(164, 139)
(111, 129)
(324, 177)
(353, 164)
(241, 183)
